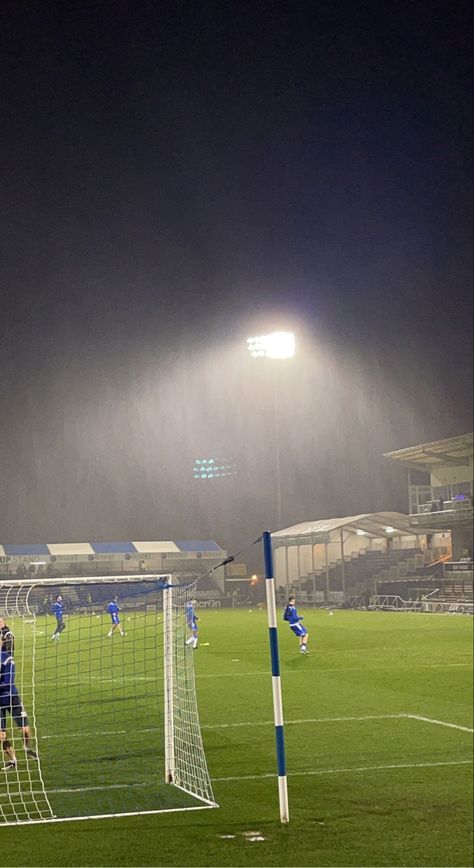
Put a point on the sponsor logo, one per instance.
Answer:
(208, 604)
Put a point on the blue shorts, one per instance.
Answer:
(115, 619)
(12, 703)
(298, 629)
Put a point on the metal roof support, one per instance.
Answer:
(448, 459)
(327, 571)
(313, 567)
(343, 571)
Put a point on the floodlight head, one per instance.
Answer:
(278, 345)
(361, 532)
(389, 530)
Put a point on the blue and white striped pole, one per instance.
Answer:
(276, 679)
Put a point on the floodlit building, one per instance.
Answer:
(51, 560)
(440, 487)
(335, 558)
(429, 550)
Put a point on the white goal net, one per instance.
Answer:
(101, 720)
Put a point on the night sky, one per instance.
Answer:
(177, 176)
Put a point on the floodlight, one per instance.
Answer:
(278, 345)
(389, 530)
(360, 532)
(214, 468)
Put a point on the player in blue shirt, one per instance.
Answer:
(191, 623)
(58, 611)
(7, 639)
(113, 610)
(10, 701)
(291, 615)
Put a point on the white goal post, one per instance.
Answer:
(98, 705)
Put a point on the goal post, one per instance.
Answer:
(103, 718)
(168, 685)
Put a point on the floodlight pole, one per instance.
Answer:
(276, 678)
(279, 345)
(276, 416)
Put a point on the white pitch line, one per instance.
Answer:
(402, 715)
(245, 723)
(440, 722)
(304, 720)
(394, 716)
(119, 679)
(467, 664)
(68, 735)
(302, 671)
(307, 773)
(205, 807)
(348, 770)
(253, 723)
(103, 787)
(323, 670)
(265, 672)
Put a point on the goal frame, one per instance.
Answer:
(16, 603)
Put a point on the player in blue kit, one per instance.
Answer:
(113, 610)
(291, 615)
(7, 639)
(58, 611)
(10, 701)
(191, 622)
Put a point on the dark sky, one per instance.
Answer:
(178, 175)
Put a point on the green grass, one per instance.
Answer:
(365, 788)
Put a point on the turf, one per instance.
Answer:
(370, 783)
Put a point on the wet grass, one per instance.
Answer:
(370, 782)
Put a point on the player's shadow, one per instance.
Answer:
(112, 758)
(103, 700)
(296, 663)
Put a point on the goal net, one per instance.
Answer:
(101, 720)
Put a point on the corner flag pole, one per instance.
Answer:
(276, 679)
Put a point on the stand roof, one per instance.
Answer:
(374, 524)
(427, 456)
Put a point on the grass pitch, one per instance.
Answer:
(379, 753)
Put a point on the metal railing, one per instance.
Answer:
(357, 601)
(426, 497)
(392, 602)
(441, 518)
